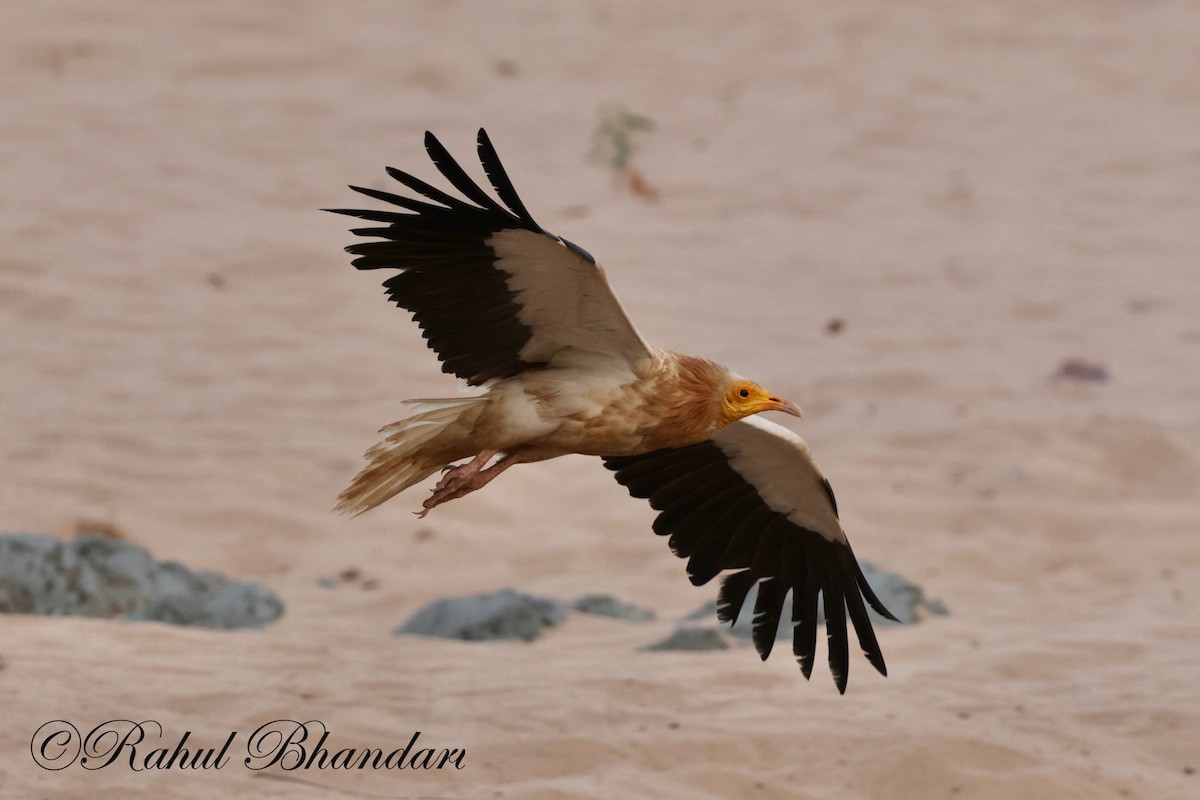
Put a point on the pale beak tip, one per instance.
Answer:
(788, 407)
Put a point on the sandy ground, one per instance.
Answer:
(979, 191)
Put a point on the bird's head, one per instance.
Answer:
(743, 398)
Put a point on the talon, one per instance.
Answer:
(459, 480)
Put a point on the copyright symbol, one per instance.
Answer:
(55, 745)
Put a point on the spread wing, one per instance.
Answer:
(751, 499)
(493, 292)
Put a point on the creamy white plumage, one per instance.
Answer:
(530, 318)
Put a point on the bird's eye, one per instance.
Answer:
(743, 393)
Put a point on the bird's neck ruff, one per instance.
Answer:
(691, 405)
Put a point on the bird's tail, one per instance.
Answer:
(415, 447)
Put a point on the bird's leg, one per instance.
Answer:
(466, 478)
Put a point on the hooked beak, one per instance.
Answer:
(786, 406)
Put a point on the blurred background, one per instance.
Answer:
(963, 236)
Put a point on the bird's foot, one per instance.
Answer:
(463, 479)
(455, 482)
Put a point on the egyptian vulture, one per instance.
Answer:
(529, 317)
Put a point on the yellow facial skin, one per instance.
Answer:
(744, 398)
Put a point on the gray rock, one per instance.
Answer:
(935, 606)
(96, 576)
(693, 639)
(904, 599)
(505, 614)
(605, 605)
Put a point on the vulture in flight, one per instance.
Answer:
(529, 317)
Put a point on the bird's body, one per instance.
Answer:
(666, 401)
(548, 412)
(529, 317)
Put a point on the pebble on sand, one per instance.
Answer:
(99, 576)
